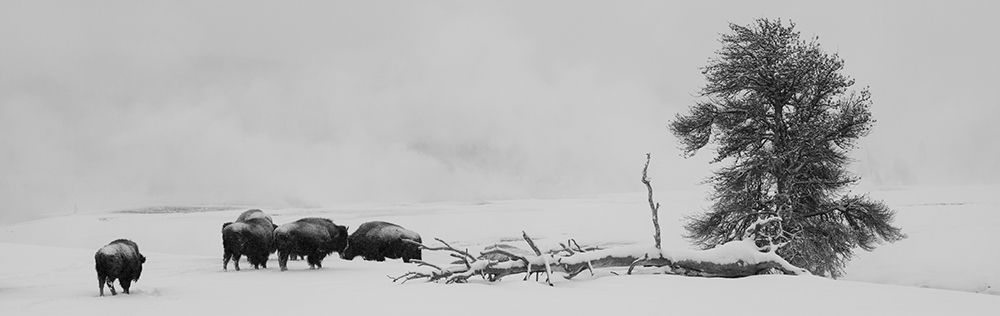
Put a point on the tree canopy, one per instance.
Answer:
(782, 118)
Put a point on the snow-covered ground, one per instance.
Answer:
(48, 268)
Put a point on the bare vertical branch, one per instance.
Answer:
(654, 207)
(531, 243)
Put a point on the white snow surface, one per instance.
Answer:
(945, 266)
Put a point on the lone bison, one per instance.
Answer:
(380, 240)
(120, 260)
(311, 237)
(252, 234)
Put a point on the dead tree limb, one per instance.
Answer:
(738, 258)
(734, 259)
(538, 253)
(531, 243)
(654, 207)
(635, 262)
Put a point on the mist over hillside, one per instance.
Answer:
(181, 102)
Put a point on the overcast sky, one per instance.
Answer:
(114, 104)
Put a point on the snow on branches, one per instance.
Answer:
(737, 258)
(734, 259)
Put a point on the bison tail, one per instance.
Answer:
(231, 241)
(100, 264)
(108, 266)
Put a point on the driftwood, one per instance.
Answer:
(739, 258)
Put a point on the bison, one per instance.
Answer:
(254, 213)
(252, 234)
(380, 240)
(120, 260)
(313, 238)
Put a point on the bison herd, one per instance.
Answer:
(255, 236)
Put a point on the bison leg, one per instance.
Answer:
(225, 260)
(236, 261)
(379, 255)
(315, 260)
(111, 286)
(370, 255)
(100, 283)
(257, 261)
(126, 284)
(319, 260)
(283, 260)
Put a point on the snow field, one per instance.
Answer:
(48, 265)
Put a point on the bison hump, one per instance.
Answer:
(254, 214)
(375, 225)
(283, 229)
(118, 249)
(392, 232)
(235, 227)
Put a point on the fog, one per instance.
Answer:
(118, 104)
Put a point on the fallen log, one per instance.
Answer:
(731, 260)
(738, 258)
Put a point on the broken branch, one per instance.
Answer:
(654, 207)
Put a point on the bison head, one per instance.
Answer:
(340, 238)
(348, 253)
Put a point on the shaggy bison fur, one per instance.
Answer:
(120, 260)
(254, 213)
(313, 238)
(380, 240)
(252, 234)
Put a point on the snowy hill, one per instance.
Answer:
(48, 265)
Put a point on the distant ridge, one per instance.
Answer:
(178, 209)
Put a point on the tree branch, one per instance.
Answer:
(696, 263)
(654, 207)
